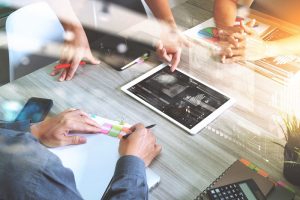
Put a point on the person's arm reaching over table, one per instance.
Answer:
(254, 48)
(243, 42)
(225, 13)
(76, 46)
(169, 48)
(161, 10)
(137, 151)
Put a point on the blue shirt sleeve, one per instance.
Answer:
(30, 171)
(23, 125)
(129, 180)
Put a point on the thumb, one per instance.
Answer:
(74, 140)
(91, 59)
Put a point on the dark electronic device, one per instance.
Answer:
(35, 110)
(244, 190)
(118, 52)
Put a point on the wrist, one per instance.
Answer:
(35, 130)
(171, 22)
(75, 27)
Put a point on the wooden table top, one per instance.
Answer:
(187, 164)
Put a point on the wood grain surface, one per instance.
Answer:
(187, 164)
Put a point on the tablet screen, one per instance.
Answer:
(178, 96)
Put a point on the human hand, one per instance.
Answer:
(170, 46)
(242, 45)
(54, 132)
(75, 49)
(232, 34)
(251, 48)
(140, 143)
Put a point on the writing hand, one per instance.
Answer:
(140, 143)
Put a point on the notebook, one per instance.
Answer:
(93, 163)
(281, 193)
(241, 170)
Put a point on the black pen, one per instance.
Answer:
(147, 127)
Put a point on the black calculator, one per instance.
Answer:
(244, 190)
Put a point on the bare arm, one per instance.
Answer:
(76, 48)
(161, 10)
(225, 12)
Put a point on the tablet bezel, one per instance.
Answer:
(198, 127)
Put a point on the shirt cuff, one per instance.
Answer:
(130, 165)
(22, 126)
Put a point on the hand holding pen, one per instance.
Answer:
(141, 143)
(147, 127)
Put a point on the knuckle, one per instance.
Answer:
(75, 140)
(68, 123)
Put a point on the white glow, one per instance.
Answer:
(122, 48)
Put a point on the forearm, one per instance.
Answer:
(64, 11)
(161, 10)
(129, 180)
(287, 46)
(225, 12)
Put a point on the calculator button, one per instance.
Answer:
(217, 190)
(212, 191)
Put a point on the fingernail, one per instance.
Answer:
(82, 140)
(68, 78)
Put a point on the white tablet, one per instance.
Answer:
(179, 97)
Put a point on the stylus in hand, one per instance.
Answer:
(147, 127)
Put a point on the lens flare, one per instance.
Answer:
(9, 110)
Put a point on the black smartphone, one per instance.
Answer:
(120, 53)
(35, 110)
